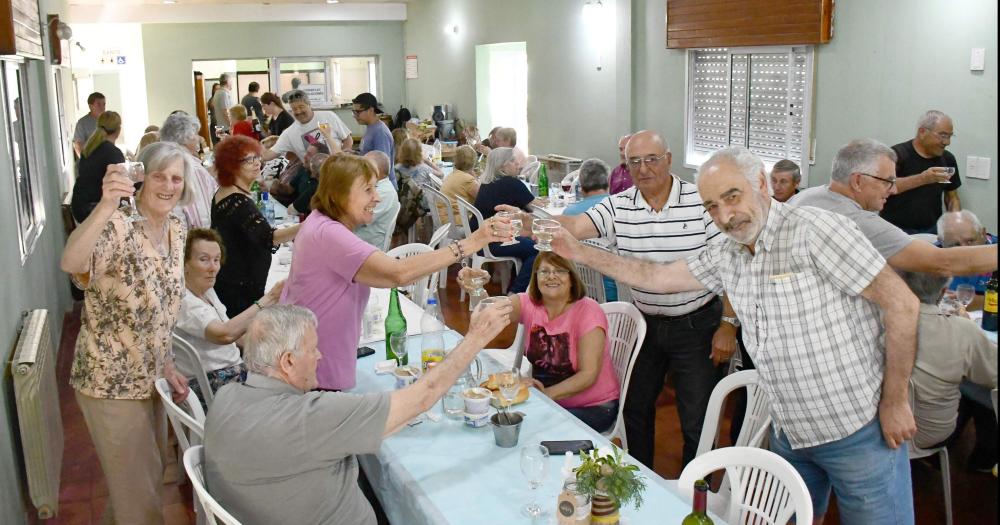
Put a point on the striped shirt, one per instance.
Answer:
(198, 212)
(681, 229)
(816, 341)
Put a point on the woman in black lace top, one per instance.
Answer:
(248, 238)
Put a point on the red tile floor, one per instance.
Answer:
(83, 493)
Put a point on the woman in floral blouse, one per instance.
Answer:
(132, 275)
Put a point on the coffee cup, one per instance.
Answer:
(477, 400)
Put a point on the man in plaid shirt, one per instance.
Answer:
(830, 326)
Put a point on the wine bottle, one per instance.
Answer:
(395, 323)
(543, 181)
(990, 305)
(699, 512)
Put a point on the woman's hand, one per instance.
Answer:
(538, 385)
(465, 276)
(178, 383)
(487, 322)
(526, 218)
(494, 229)
(116, 185)
(274, 294)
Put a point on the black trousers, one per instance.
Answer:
(681, 345)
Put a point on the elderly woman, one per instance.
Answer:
(97, 154)
(203, 321)
(251, 240)
(567, 342)
(500, 185)
(181, 128)
(332, 269)
(410, 163)
(278, 119)
(132, 277)
(460, 182)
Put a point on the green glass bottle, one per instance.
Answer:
(395, 324)
(699, 513)
(543, 181)
(255, 193)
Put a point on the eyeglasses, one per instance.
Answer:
(250, 160)
(359, 111)
(891, 182)
(637, 162)
(943, 135)
(558, 272)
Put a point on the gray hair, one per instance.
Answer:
(788, 166)
(381, 161)
(274, 331)
(749, 164)
(594, 175)
(931, 119)
(859, 156)
(948, 222)
(926, 286)
(180, 128)
(224, 79)
(160, 155)
(297, 95)
(494, 161)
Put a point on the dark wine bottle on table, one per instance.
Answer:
(990, 305)
(699, 512)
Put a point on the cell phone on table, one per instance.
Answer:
(558, 448)
(365, 351)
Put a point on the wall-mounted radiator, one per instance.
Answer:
(34, 369)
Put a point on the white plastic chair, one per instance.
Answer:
(626, 332)
(189, 422)
(185, 351)
(392, 228)
(593, 280)
(440, 278)
(766, 488)
(530, 171)
(478, 261)
(418, 290)
(916, 452)
(194, 461)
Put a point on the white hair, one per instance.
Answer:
(180, 128)
(274, 331)
(749, 164)
(594, 175)
(948, 222)
(494, 162)
(859, 156)
(160, 155)
(931, 119)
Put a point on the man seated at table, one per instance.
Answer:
(594, 182)
(374, 233)
(621, 178)
(962, 228)
(949, 348)
(499, 138)
(278, 452)
(861, 179)
(785, 179)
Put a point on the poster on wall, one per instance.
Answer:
(315, 92)
(411, 66)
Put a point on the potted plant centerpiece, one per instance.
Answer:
(610, 483)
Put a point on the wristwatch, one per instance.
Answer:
(731, 320)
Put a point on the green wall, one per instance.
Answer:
(168, 50)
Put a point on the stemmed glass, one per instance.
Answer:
(544, 230)
(397, 343)
(515, 226)
(478, 292)
(510, 384)
(534, 463)
(136, 173)
(965, 294)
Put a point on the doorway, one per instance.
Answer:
(502, 89)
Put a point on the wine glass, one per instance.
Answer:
(478, 292)
(397, 343)
(136, 173)
(514, 227)
(949, 304)
(544, 230)
(534, 463)
(510, 384)
(965, 293)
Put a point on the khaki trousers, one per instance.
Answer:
(130, 437)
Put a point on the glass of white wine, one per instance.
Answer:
(136, 172)
(544, 230)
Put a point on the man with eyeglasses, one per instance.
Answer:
(862, 179)
(661, 219)
(366, 110)
(926, 171)
(310, 127)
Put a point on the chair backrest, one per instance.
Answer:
(593, 280)
(624, 292)
(766, 488)
(466, 210)
(194, 461)
(184, 350)
(755, 422)
(433, 197)
(626, 332)
(530, 171)
(390, 229)
(417, 290)
(440, 233)
(189, 424)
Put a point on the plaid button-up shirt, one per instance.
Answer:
(817, 343)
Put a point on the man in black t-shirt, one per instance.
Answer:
(925, 173)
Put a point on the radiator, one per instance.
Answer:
(37, 395)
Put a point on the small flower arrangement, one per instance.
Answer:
(603, 473)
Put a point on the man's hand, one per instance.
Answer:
(724, 344)
(897, 422)
(565, 245)
(487, 322)
(935, 174)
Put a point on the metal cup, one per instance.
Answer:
(506, 428)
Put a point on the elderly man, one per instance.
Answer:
(621, 179)
(785, 179)
(593, 185)
(837, 388)
(310, 127)
(376, 233)
(949, 349)
(923, 166)
(366, 110)
(962, 228)
(499, 137)
(861, 179)
(661, 220)
(221, 101)
(183, 129)
(88, 123)
(278, 452)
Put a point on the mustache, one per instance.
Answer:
(736, 222)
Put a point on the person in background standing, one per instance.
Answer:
(181, 128)
(785, 179)
(366, 110)
(278, 118)
(96, 155)
(252, 102)
(621, 179)
(287, 96)
(923, 178)
(212, 122)
(88, 123)
(222, 100)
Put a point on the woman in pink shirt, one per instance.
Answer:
(567, 342)
(332, 269)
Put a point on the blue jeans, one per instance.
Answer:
(524, 250)
(598, 417)
(871, 480)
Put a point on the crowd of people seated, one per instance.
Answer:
(741, 258)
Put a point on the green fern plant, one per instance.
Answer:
(607, 474)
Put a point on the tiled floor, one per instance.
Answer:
(84, 493)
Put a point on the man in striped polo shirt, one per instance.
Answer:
(661, 219)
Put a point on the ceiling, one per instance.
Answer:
(225, 2)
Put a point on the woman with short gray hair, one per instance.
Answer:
(181, 128)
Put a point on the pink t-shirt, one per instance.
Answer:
(325, 258)
(552, 348)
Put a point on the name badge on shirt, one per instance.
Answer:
(781, 277)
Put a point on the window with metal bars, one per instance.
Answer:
(758, 98)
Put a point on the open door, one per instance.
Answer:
(200, 106)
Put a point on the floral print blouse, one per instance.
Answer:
(131, 302)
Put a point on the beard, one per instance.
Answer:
(743, 228)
